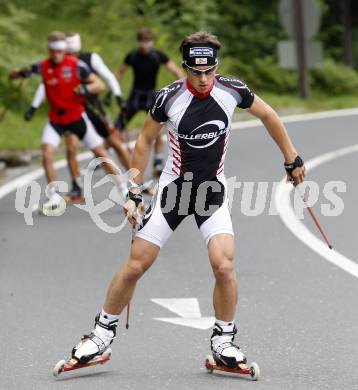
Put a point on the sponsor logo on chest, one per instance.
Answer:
(204, 135)
(67, 73)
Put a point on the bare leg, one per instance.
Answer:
(71, 147)
(221, 250)
(47, 162)
(121, 289)
(100, 151)
(120, 150)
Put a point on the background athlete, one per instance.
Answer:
(92, 105)
(145, 61)
(197, 112)
(66, 80)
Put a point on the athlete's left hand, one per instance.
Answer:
(29, 113)
(295, 171)
(297, 176)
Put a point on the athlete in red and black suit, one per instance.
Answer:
(93, 108)
(197, 113)
(66, 80)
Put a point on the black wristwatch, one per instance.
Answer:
(290, 167)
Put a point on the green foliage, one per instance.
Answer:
(14, 23)
(335, 79)
(263, 74)
(249, 31)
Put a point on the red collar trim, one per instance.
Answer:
(197, 94)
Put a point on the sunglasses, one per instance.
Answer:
(197, 72)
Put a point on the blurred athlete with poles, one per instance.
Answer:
(145, 61)
(93, 108)
(197, 112)
(67, 79)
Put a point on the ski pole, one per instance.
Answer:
(315, 219)
(138, 222)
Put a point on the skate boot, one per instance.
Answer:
(55, 206)
(225, 352)
(97, 342)
(76, 192)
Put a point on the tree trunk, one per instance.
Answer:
(347, 39)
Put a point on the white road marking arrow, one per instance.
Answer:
(189, 311)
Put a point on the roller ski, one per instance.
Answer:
(227, 357)
(54, 207)
(93, 349)
(73, 364)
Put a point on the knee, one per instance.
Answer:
(137, 265)
(134, 270)
(223, 269)
(71, 147)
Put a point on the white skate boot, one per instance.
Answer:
(97, 342)
(55, 206)
(225, 352)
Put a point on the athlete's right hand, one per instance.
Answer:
(29, 113)
(132, 212)
(133, 208)
(19, 73)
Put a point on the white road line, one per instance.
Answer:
(189, 311)
(299, 118)
(28, 177)
(284, 208)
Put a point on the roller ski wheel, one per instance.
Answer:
(253, 370)
(73, 363)
(75, 199)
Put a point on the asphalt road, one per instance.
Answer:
(298, 313)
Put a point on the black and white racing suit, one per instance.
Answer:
(193, 180)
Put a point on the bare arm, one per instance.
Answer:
(278, 132)
(25, 72)
(94, 84)
(121, 70)
(170, 65)
(143, 146)
(103, 71)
